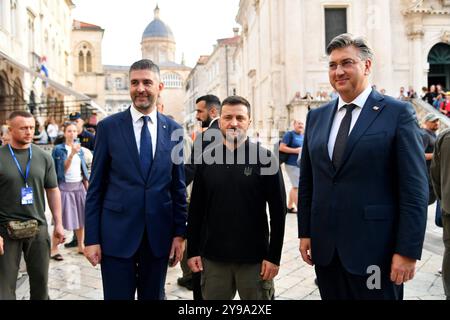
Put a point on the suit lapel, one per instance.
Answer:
(373, 107)
(162, 141)
(330, 113)
(130, 140)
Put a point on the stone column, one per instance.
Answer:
(418, 79)
(379, 28)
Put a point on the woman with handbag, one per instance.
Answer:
(73, 177)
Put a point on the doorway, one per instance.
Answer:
(439, 60)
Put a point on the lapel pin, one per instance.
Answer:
(376, 108)
(164, 126)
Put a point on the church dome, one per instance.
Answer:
(158, 29)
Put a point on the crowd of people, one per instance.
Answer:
(360, 188)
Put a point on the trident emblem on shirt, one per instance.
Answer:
(248, 171)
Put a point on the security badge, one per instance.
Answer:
(26, 193)
(27, 196)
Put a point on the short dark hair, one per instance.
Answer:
(346, 40)
(16, 114)
(211, 101)
(237, 100)
(146, 64)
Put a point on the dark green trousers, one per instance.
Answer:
(221, 280)
(36, 252)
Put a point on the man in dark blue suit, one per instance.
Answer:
(363, 187)
(136, 202)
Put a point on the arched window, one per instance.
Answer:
(85, 58)
(119, 84)
(172, 80)
(89, 61)
(81, 62)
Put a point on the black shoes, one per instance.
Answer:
(71, 244)
(187, 283)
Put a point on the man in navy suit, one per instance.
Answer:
(363, 187)
(136, 202)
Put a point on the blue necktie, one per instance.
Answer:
(146, 152)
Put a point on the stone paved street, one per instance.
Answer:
(75, 279)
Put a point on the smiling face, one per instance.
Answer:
(145, 87)
(349, 75)
(234, 123)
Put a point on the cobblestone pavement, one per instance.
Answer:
(75, 279)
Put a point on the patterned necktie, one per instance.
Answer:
(342, 136)
(146, 151)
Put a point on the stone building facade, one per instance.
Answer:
(35, 64)
(282, 53)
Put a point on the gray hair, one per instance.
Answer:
(146, 64)
(346, 40)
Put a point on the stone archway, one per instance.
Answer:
(18, 101)
(4, 97)
(439, 60)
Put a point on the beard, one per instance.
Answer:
(207, 122)
(229, 136)
(151, 100)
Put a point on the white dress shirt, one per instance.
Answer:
(138, 122)
(360, 101)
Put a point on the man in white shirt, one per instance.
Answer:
(136, 202)
(363, 188)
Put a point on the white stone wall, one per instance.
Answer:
(35, 28)
(283, 48)
(196, 86)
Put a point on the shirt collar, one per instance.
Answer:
(213, 120)
(360, 100)
(136, 115)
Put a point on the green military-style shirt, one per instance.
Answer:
(42, 176)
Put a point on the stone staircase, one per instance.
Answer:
(423, 108)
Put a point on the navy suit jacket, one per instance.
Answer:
(375, 204)
(121, 203)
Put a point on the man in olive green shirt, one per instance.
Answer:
(440, 176)
(25, 173)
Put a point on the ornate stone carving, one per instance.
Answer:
(445, 3)
(445, 36)
(415, 34)
(256, 4)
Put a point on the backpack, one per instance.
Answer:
(282, 156)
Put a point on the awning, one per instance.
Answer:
(60, 87)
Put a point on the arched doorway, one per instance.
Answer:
(3, 97)
(439, 60)
(18, 99)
